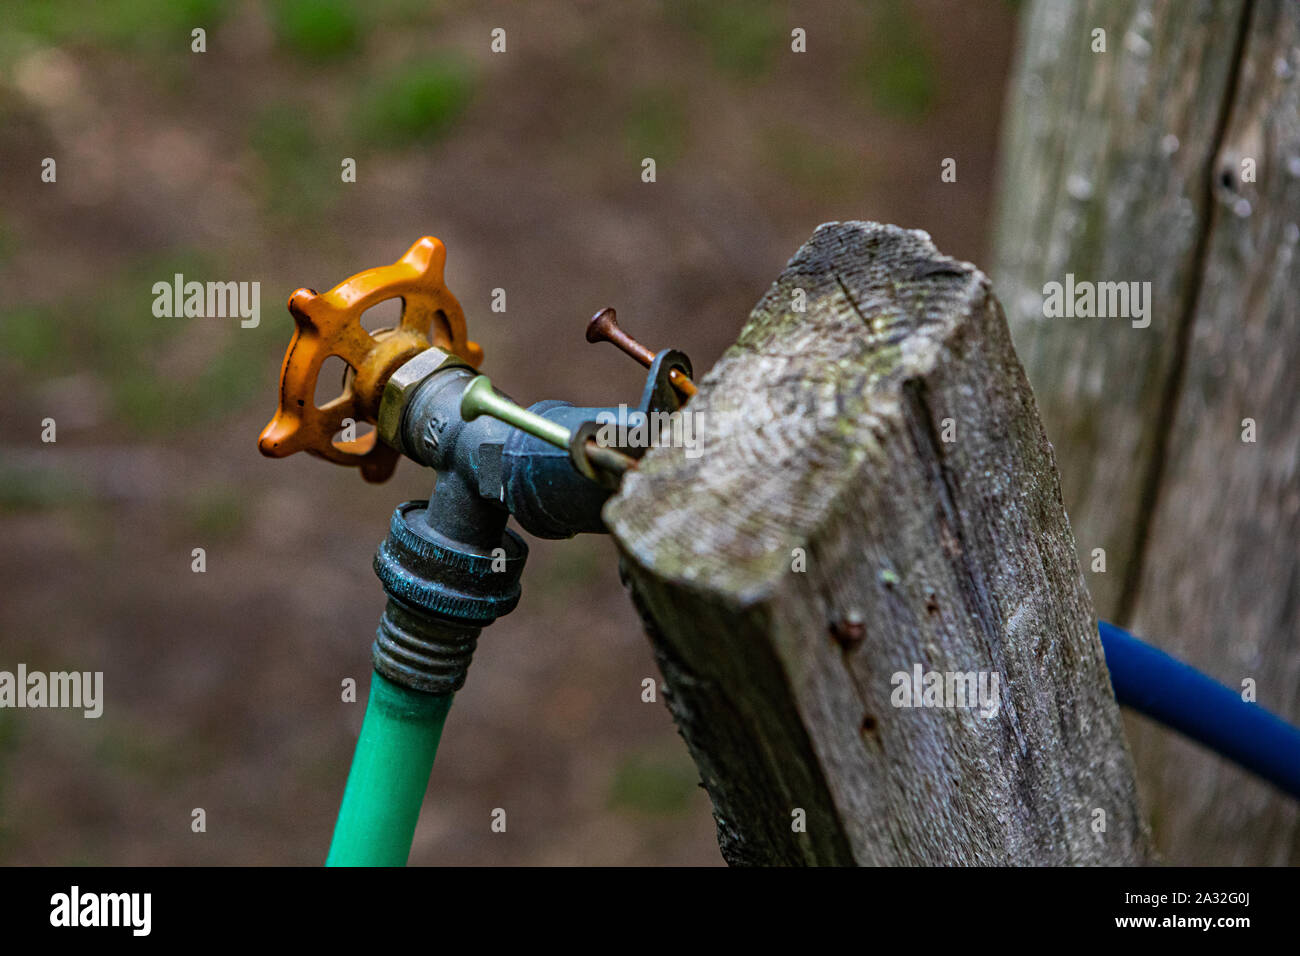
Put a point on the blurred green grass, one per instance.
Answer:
(657, 126)
(899, 74)
(743, 36)
(29, 337)
(115, 336)
(654, 785)
(299, 166)
(418, 101)
(137, 25)
(318, 29)
(25, 490)
(217, 512)
(811, 163)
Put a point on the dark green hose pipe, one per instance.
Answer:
(389, 776)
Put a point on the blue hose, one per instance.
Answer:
(1184, 699)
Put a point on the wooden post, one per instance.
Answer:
(873, 497)
(1173, 158)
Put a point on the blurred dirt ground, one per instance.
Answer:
(223, 688)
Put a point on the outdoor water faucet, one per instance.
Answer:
(449, 564)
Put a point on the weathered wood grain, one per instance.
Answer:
(1220, 581)
(1106, 164)
(824, 440)
(1200, 528)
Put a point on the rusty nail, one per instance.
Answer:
(604, 327)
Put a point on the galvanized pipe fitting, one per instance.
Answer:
(441, 593)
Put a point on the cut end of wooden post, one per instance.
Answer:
(869, 505)
(797, 401)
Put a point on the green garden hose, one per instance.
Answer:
(389, 776)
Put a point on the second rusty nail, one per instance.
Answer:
(604, 327)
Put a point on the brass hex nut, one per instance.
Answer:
(402, 384)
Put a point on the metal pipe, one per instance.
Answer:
(390, 773)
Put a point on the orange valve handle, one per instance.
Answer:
(330, 324)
